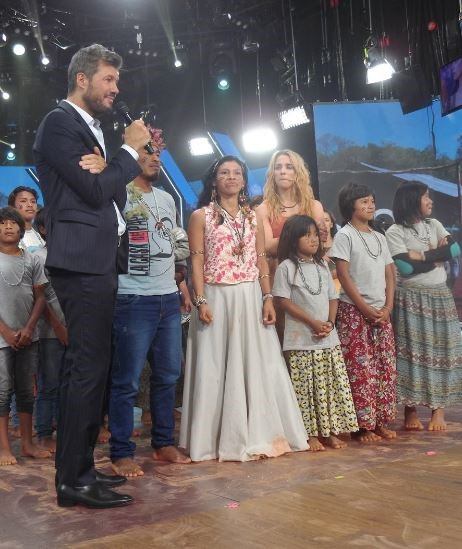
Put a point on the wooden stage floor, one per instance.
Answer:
(399, 494)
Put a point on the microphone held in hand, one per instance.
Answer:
(122, 109)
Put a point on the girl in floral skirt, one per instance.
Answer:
(305, 290)
(366, 272)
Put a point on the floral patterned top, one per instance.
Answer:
(230, 254)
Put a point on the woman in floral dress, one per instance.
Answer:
(238, 400)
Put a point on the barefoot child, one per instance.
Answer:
(305, 290)
(366, 273)
(22, 283)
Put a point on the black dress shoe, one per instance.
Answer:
(93, 495)
(110, 480)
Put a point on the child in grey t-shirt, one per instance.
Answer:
(305, 290)
(22, 283)
(366, 272)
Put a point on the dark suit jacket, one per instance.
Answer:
(82, 230)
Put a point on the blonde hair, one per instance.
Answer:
(302, 186)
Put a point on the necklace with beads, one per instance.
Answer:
(237, 232)
(425, 239)
(302, 276)
(365, 244)
(17, 282)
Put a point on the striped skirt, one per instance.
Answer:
(428, 346)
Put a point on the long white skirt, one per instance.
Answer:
(238, 400)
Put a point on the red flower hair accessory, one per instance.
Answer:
(157, 139)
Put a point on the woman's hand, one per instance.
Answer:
(94, 163)
(205, 313)
(415, 256)
(385, 316)
(269, 314)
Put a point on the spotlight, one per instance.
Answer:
(379, 71)
(200, 146)
(291, 118)
(259, 140)
(178, 63)
(10, 156)
(45, 60)
(223, 83)
(222, 65)
(19, 49)
(5, 95)
(378, 68)
(12, 146)
(3, 39)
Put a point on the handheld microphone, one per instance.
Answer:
(122, 108)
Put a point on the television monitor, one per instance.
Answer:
(451, 86)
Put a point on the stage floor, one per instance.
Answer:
(404, 493)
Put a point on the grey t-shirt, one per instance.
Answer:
(18, 276)
(368, 273)
(151, 258)
(403, 239)
(45, 331)
(289, 284)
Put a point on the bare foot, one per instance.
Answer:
(334, 442)
(104, 435)
(127, 468)
(146, 418)
(437, 422)
(34, 451)
(48, 443)
(315, 445)
(411, 421)
(7, 458)
(171, 454)
(15, 432)
(366, 437)
(382, 432)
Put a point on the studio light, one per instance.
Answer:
(200, 146)
(378, 68)
(259, 140)
(10, 156)
(293, 117)
(19, 49)
(223, 83)
(5, 95)
(379, 72)
(178, 63)
(3, 39)
(45, 60)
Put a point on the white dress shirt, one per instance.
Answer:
(95, 127)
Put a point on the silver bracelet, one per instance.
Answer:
(199, 300)
(267, 296)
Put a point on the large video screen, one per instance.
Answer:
(375, 144)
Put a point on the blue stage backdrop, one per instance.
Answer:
(375, 144)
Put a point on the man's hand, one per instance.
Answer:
(94, 163)
(137, 135)
(61, 333)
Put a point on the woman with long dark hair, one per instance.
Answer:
(427, 332)
(238, 401)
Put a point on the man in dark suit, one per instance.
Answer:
(82, 238)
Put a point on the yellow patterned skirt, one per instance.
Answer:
(323, 391)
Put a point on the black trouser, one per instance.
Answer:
(88, 305)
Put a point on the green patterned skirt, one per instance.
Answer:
(323, 391)
(428, 346)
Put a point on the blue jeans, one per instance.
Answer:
(141, 323)
(51, 357)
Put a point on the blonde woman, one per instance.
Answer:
(287, 192)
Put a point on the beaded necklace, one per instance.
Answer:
(238, 248)
(18, 282)
(425, 239)
(366, 246)
(302, 276)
